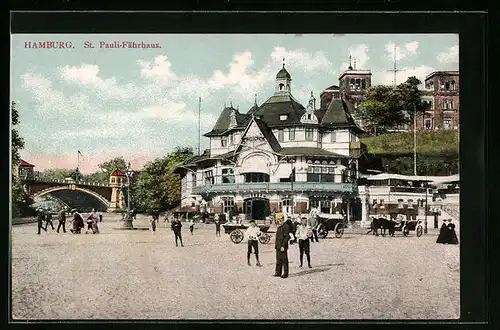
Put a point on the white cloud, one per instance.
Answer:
(49, 100)
(449, 56)
(359, 54)
(404, 51)
(384, 77)
(88, 75)
(301, 59)
(160, 70)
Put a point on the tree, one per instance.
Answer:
(17, 142)
(21, 201)
(117, 163)
(157, 187)
(57, 173)
(386, 107)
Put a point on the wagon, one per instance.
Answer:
(404, 226)
(335, 223)
(236, 234)
(410, 225)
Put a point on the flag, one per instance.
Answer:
(80, 154)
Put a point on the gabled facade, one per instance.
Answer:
(279, 156)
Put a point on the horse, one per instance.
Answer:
(383, 224)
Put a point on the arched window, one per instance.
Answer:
(113, 179)
(281, 86)
(453, 85)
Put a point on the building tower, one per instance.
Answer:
(117, 182)
(283, 82)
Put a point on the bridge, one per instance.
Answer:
(76, 193)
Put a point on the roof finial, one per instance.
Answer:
(283, 62)
(312, 94)
(350, 63)
(231, 103)
(255, 100)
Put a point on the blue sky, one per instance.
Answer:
(142, 103)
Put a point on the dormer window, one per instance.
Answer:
(309, 117)
(283, 117)
(223, 142)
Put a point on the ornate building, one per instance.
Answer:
(279, 156)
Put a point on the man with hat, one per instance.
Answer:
(281, 246)
(252, 234)
(62, 220)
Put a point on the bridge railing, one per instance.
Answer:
(39, 178)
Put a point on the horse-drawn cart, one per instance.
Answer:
(236, 232)
(402, 225)
(331, 222)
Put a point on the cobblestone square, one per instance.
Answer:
(143, 275)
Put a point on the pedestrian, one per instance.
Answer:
(443, 233)
(312, 222)
(40, 217)
(62, 220)
(281, 246)
(453, 239)
(100, 216)
(303, 233)
(48, 219)
(176, 227)
(95, 221)
(77, 222)
(217, 227)
(89, 224)
(191, 226)
(291, 228)
(252, 234)
(153, 223)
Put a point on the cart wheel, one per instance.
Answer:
(322, 232)
(339, 230)
(420, 231)
(268, 238)
(236, 236)
(264, 238)
(406, 231)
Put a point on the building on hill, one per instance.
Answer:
(442, 91)
(279, 156)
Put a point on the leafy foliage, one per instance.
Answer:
(385, 107)
(157, 187)
(17, 142)
(21, 201)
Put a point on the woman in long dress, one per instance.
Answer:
(452, 235)
(443, 233)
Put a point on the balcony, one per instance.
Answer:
(275, 186)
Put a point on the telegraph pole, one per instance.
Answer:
(199, 126)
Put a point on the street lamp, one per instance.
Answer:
(127, 222)
(292, 180)
(425, 210)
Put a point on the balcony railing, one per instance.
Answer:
(274, 186)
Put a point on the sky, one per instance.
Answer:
(142, 103)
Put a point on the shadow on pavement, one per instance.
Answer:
(311, 271)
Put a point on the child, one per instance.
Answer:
(303, 233)
(191, 226)
(253, 233)
(217, 227)
(153, 223)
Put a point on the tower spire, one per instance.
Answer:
(350, 63)
(283, 62)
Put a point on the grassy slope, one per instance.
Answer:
(432, 142)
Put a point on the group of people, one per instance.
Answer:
(447, 234)
(286, 234)
(78, 222)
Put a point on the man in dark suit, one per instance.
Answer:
(40, 217)
(281, 246)
(62, 220)
(176, 228)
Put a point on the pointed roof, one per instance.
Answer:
(222, 124)
(25, 164)
(118, 173)
(266, 132)
(283, 74)
(337, 115)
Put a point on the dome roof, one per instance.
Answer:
(283, 74)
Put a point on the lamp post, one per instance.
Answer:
(425, 209)
(127, 222)
(292, 180)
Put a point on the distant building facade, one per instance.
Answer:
(442, 92)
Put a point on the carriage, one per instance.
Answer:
(403, 225)
(236, 233)
(331, 222)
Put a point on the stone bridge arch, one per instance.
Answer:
(101, 198)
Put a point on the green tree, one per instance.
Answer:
(57, 173)
(156, 186)
(385, 107)
(21, 201)
(17, 142)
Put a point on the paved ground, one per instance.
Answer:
(140, 275)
